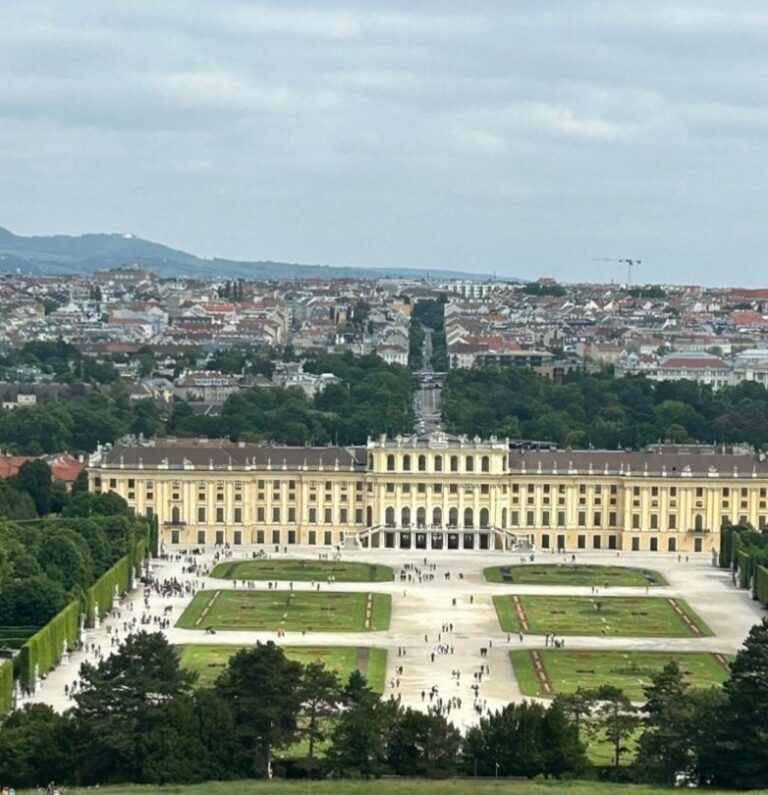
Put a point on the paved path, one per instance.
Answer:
(419, 610)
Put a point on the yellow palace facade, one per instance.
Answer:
(436, 492)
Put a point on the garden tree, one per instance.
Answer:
(423, 745)
(616, 717)
(66, 558)
(146, 418)
(15, 504)
(742, 762)
(109, 503)
(359, 736)
(665, 747)
(577, 707)
(524, 740)
(35, 746)
(119, 701)
(31, 601)
(321, 696)
(34, 478)
(262, 688)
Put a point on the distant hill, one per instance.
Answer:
(87, 253)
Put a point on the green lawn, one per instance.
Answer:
(289, 610)
(208, 660)
(640, 616)
(631, 670)
(385, 787)
(303, 571)
(573, 574)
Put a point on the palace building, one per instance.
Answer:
(436, 492)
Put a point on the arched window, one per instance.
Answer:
(454, 463)
(504, 517)
(390, 463)
(437, 517)
(422, 463)
(469, 464)
(390, 517)
(421, 517)
(438, 463)
(485, 463)
(484, 517)
(405, 517)
(370, 462)
(453, 517)
(468, 518)
(406, 463)
(175, 514)
(698, 524)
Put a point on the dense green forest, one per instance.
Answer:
(372, 397)
(601, 410)
(138, 717)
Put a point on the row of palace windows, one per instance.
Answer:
(420, 515)
(454, 462)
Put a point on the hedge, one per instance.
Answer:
(102, 592)
(745, 565)
(44, 648)
(6, 686)
(761, 584)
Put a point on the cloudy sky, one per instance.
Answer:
(519, 136)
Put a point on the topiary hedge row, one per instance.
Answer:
(761, 584)
(6, 686)
(102, 592)
(46, 646)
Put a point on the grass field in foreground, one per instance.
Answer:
(387, 787)
(630, 616)
(303, 571)
(573, 574)
(630, 670)
(289, 610)
(208, 660)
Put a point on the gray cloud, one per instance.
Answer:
(516, 136)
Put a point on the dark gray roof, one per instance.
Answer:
(617, 462)
(223, 454)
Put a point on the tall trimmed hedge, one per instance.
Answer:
(746, 565)
(6, 686)
(761, 584)
(102, 592)
(45, 647)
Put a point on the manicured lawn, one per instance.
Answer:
(573, 574)
(640, 616)
(289, 610)
(303, 571)
(386, 787)
(565, 670)
(208, 660)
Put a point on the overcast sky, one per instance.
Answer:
(526, 137)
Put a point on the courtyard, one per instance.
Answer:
(438, 617)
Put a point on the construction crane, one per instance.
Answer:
(629, 262)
